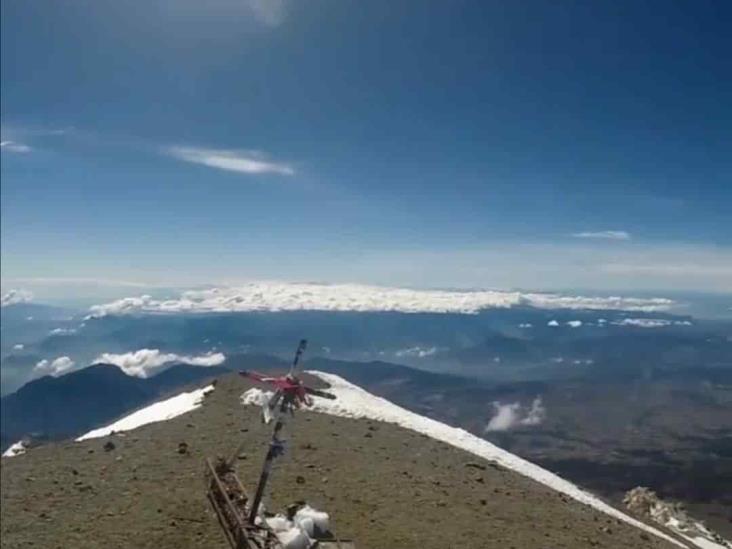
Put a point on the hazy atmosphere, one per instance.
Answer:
(423, 144)
(287, 274)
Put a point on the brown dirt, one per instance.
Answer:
(384, 486)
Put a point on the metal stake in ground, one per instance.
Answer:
(290, 393)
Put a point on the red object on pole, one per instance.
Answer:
(290, 393)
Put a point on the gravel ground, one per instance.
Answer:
(384, 486)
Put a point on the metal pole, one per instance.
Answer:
(300, 350)
(275, 449)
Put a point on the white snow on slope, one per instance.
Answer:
(159, 411)
(704, 541)
(283, 296)
(353, 402)
(15, 449)
(646, 503)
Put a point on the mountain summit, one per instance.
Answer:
(383, 484)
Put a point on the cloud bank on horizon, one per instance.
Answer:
(281, 296)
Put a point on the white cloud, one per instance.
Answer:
(12, 146)
(269, 12)
(418, 352)
(650, 322)
(126, 305)
(574, 323)
(145, 362)
(512, 415)
(54, 367)
(604, 235)
(525, 325)
(62, 331)
(18, 347)
(247, 162)
(552, 323)
(536, 414)
(506, 416)
(281, 296)
(13, 297)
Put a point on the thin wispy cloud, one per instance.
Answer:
(269, 12)
(670, 269)
(245, 162)
(604, 235)
(14, 147)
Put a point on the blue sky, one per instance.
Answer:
(547, 145)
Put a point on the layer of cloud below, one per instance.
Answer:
(604, 235)
(280, 296)
(146, 362)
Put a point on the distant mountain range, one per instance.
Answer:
(521, 343)
(69, 405)
(668, 430)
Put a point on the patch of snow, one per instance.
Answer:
(301, 531)
(159, 411)
(353, 402)
(16, 449)
(282, 296)
(645, 502)
(18, 347)
(258, 397)
(552, 323)
(705, 543)
(574, 323)
(525, 325)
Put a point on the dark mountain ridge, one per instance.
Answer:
(69, 405)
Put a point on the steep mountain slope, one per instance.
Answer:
(65, 406)
(383, 485)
